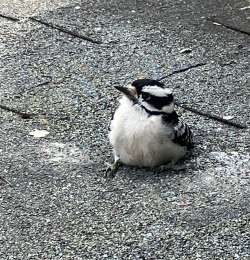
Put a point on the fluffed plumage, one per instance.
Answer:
(145, 130)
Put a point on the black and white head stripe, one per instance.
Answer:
(153, 93)
(156, 91)
(157, 97)
(139, 84)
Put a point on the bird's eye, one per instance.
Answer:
(146, 96)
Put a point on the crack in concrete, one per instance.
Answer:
(13, 19)
(182, 70)
(64, 30)
(231, 27)
(208, 115)
(17, 112)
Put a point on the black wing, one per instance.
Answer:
(182, 134)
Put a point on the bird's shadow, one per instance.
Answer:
(145, 173)
(183, 167)
(142, 173)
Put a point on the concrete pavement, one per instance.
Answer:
(54, 202)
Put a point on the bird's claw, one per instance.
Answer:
(112, 169)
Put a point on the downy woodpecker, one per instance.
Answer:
(145, 129)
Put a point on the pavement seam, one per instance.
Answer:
(182, 70)
(231, 27)
(64, 30)
(13, 19)
(17, 112)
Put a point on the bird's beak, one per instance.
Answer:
(129, 91)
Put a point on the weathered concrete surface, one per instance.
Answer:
(54, 202)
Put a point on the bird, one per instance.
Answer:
(145, 130)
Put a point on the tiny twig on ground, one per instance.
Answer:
(43, 84)
(64, 30)
(208, 115)
(214, 20)
(182, 70)
(21, 114)
(13, 19)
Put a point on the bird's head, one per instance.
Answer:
(151, 94)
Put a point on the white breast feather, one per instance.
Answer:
(141, 140)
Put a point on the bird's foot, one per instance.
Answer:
(112, 169)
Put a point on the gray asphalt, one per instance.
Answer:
(54, 201)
